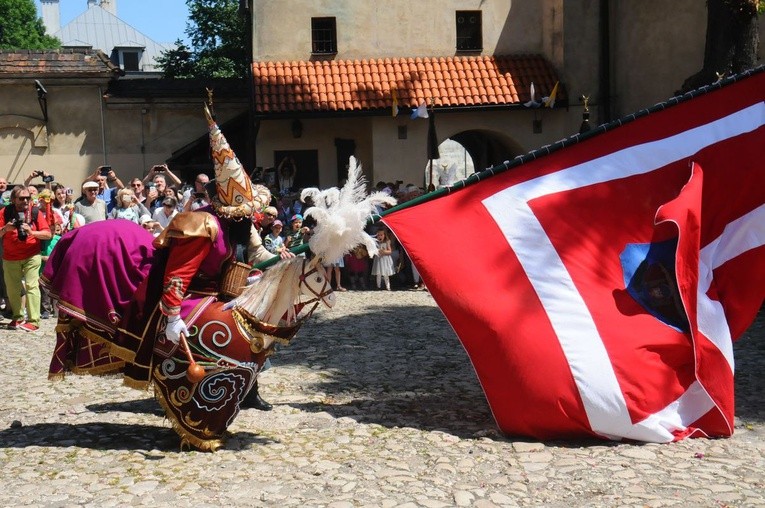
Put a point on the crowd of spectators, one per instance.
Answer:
(51, 209)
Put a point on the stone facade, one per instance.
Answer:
(651, 51)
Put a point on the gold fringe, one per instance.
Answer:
(121, 353)
(101, 370)
(59, 376)
(111, 348)
(136, 383)
(187, 439)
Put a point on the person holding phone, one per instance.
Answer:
(161, 175)
(105, 176)
(197, 197)
(127, 207)
(47, 178)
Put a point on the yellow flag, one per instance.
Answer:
(551, 100)
(394, 107)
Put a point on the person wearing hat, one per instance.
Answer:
(274, 242)
(202, 243)
(298, 234)
(90, 207)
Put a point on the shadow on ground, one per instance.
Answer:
(147, 405)
(108, 436)
(404, 366)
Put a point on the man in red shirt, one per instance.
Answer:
(22, 229)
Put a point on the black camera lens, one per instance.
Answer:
(20, 231)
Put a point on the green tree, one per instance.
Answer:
(219, 43)
(732, 40)
(20, 28)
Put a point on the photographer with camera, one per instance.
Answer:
(104, 176)
(34, 189)
(197, 197)
(47, 179)
(22, 230)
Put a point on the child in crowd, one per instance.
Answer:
(298, 235)
(357, 266)
(334, 268)
(273, 242)
(382, 264)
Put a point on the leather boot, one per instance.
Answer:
(255, 401)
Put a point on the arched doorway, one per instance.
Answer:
(467, 152)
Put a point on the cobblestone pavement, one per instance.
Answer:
(376, 404)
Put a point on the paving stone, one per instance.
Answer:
(375, 404)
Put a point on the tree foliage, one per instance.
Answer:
(732, 40)
(219, 43)
(20, 28)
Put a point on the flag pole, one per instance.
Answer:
(432, 143)
(541, 152)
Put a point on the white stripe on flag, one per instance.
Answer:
(743, 234)
(584, 350)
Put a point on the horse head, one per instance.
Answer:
(275, 307)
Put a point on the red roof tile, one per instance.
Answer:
(282, 87)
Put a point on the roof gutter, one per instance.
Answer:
(485, 108)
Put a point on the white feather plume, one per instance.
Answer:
(341, 215)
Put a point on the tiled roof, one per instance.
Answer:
(470, 81)
(63, 63)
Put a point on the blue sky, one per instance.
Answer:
(160, 20)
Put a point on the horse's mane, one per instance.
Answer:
(275, 293)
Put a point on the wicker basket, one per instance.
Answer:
(234, 279)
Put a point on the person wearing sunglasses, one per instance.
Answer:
(90, 207)
(22, 229)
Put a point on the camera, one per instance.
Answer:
(48, 179)
(19, 222)
(104, 170)
(39, 172)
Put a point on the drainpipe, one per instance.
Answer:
(103, 124)
(604, 104)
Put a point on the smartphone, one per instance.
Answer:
(105, 170)
(158, 169)
(199, 195)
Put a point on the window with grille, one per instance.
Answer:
(469, 34)
(323, 36)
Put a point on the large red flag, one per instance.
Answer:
(598, 289)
